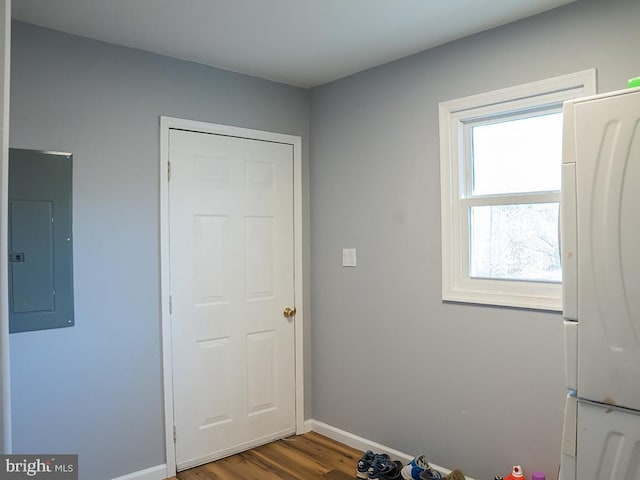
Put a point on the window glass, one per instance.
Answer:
(515, 242)
(517, 156)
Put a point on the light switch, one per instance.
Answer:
(348, 257)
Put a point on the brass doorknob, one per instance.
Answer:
(289, 312)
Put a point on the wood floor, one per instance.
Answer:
(306, 457)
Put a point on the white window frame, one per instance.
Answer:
(455, 181)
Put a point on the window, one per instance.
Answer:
(500, 163)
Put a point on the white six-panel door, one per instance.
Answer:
(231, 248)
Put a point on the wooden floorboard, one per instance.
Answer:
(304, 457)
(329, 453)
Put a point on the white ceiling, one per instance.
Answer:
(299, 42)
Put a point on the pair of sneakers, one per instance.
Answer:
(419, 469)
(378, 466)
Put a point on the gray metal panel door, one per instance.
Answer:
(40, 242)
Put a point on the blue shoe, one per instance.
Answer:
(385, 469)
(419, 469)
(364, 463)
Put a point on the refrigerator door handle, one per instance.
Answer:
(571, 354)
(569, 244)
(569, 439)
(560, 232)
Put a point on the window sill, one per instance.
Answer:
(547, 302)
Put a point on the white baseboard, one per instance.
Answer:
(308, 426)
(364, 444)
(159, 472)
(357, 442)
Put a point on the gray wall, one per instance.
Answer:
(478, 388)
(96, 389)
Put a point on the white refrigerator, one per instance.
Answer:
(600, 212)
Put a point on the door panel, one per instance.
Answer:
(231, 268)
(608, 180)
(261, 371)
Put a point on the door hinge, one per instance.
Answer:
(174, 434)
(168, 171)
(170, 304)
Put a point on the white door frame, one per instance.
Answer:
(5, 382)
(166, 124)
